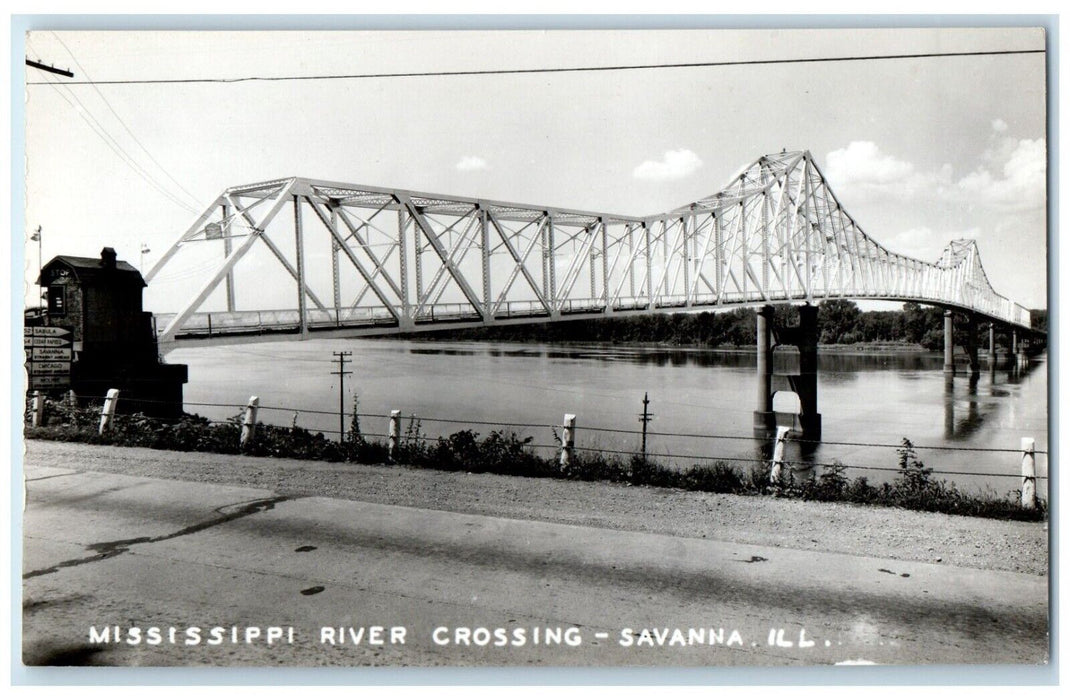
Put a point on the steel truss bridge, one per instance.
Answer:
(404, 261)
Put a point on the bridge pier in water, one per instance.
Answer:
(971, 345)
(807, 423)
(1022, 356)
(949, 342)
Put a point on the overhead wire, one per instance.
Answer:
(567, 69)
(123, 123)
(102, 132)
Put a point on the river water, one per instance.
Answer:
(870, 400)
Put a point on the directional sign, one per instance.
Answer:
(51, 331)
(49, 382)
(44, 341)
(37, 368)
(50, 354)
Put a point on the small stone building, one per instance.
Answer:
(113, 342)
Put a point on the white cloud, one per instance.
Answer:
(673, 166)
(1023, 183)
(862, 172)
(472, 163)
(863, 163)
(1011, 178)
(999, 126)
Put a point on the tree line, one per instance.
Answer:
(841, 323)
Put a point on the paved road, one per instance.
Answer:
(202, 562)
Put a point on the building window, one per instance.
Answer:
(57, 300)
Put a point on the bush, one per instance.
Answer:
(643, 472)
(595, 466)
(718, 478)
(830, 485)
(914, 477)
(860, 491)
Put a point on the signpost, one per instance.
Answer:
(48, 356)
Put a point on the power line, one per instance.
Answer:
(572, 69)
(120, 119)
(117, 148)
(110, 141)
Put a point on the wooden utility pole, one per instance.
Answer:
(645, 418)
(343, 358)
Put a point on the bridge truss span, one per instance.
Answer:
(363, 259)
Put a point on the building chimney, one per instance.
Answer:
(107, 258)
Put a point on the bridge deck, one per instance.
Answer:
(221, 327)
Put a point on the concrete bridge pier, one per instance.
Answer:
(764, 418)
(805, 384)
(807, 423)
(949, 413)
(949, 342)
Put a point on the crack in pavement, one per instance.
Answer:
(107, 550)
(50, 476)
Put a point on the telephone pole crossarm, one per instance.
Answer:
(49, 69)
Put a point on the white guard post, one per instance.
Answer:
(1029, 473)
(107, 413)
(778, 455)
(248, 424)
(568, 439)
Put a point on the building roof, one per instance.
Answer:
(91, 269)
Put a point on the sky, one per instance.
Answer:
(919, 151)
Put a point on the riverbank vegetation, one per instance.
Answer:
(841, 323)
(507, 453)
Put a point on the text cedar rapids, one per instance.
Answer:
(399, 635)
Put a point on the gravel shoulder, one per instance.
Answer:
(827, 527)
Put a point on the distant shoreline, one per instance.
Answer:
(838, 349)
